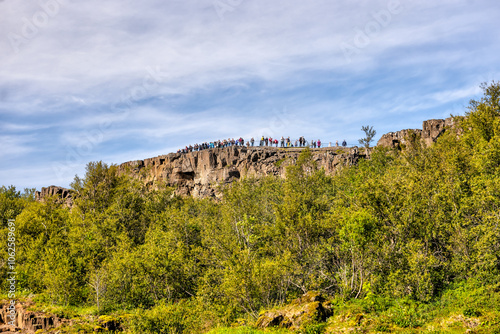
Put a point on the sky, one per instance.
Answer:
(124, 80)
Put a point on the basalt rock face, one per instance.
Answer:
(434, 128)
(25, 321)
(200, 173)
(431, 130)
(395, 139)
(63, 195)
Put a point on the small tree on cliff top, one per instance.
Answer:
(370, 133)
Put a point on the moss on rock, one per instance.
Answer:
(309, 309)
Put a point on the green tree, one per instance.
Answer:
(369, 133)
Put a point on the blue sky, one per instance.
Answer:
(125, 80)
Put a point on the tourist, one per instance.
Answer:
(264, 141)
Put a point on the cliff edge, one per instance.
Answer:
(431, 130)
(199, 173)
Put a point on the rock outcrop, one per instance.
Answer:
(200, 173)
(63, 195)
(27, 321)
(398, 138)
(309, 309)
(431, 130)
(22, 320)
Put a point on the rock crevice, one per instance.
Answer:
(26, 321)
(62, 195)
(200, 173)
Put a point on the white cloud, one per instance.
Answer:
(183, 74)
(15, 146)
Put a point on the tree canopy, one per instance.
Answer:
(404, 224)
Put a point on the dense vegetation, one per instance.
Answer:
(406, 237)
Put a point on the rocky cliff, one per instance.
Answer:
(200, 173)
(23, 321)
(16, 317)
(431, 130)
(63, 195)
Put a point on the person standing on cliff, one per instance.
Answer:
(319, 143)
(252, 141)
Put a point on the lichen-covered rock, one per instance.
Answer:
(431, 130)
(308, 309)
(396, 139)
(109, 323)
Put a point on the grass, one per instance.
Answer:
(247, 330)
(463, 308)
(279, 162)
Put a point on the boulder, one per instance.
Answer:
(311, 308)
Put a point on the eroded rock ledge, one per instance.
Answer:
(431, 130)
(26, 321)
(63, 195)
(200, 173)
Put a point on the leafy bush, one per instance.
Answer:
(165, 318)
(315, 328)
(408, 314)
(393, 234)
(247, 330)
(471, 312)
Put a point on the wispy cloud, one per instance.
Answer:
(81, 81)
